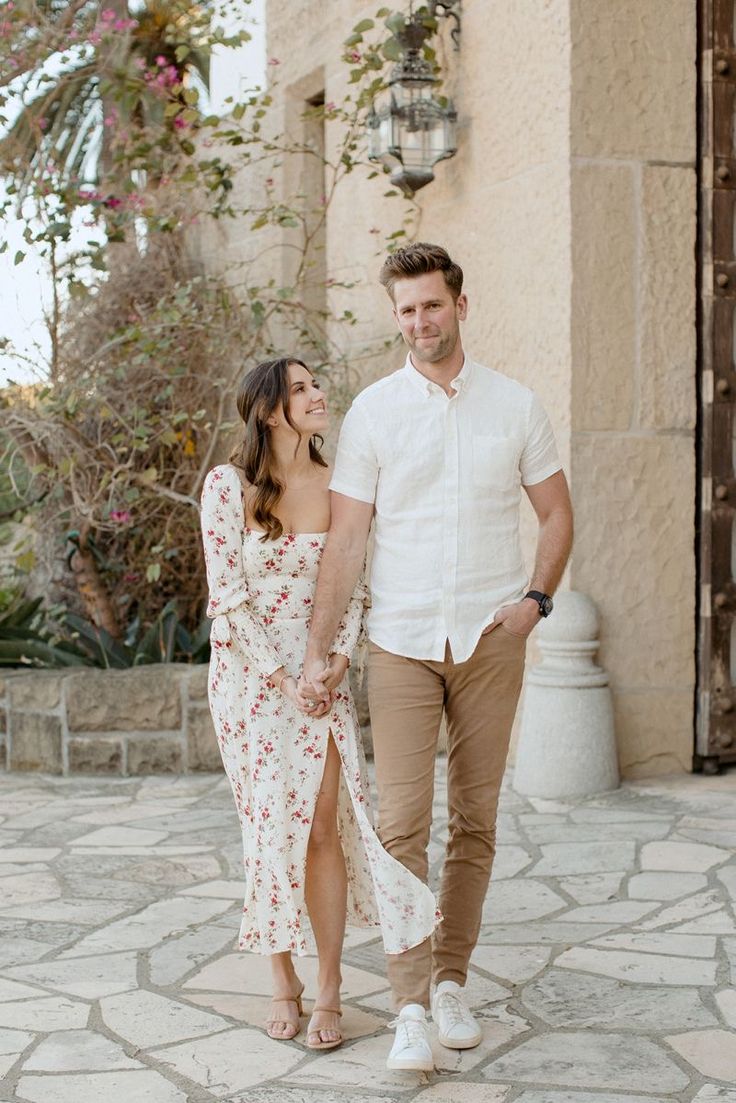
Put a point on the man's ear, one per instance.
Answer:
(462, 307)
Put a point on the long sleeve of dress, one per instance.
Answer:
(351, 628)
(223, 527)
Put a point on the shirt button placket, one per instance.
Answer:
(451, 498)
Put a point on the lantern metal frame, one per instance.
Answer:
(413, 130)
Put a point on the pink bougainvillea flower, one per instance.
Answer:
(140, 63)
(120, 516)
(161, 60)
(180, 123)
(113, 202)
(273, 61)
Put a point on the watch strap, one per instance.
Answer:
(544, 601)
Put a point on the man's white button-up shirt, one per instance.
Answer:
(445, 475)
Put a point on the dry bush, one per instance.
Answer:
(120, 444)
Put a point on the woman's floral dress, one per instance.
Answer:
(261, 600)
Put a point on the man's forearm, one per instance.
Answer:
(339, 569)
(553, 549)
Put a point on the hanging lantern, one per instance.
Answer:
(412, 129)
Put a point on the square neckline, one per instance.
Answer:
(262, 532)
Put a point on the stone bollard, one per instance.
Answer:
(567, 746)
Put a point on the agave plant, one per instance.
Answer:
(29, 638)
(165, 641)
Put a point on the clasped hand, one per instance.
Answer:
(315, 691)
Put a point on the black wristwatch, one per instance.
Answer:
(544, 601)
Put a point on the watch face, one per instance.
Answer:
(546, 606)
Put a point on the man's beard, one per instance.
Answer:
(444, 348)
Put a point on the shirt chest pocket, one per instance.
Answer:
(495, 462)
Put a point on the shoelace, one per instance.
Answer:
(452, 1007)
(413, 1029)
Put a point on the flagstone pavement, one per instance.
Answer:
(605, 970)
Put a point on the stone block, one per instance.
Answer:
(143, 699)
(654, 732)
(633, 79)
(667, 298)
(3, 720)
(604, 329)
(36, 689)
(634, 555)
(515, 48)
(95, 756)
(203, 752)
(35, 742)
(197, 681)
(154, 755)
(506, 271)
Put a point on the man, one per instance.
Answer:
(437, 453)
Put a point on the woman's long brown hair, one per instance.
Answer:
(263, 390)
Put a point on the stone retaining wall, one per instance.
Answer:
(149, 720)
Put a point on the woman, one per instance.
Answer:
(296, 767)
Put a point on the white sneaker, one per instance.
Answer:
(456, 1026)
(411, 1048)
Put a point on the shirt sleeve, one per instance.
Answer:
(351, 628)
(539, 458)
(223, 527)
(356, 465)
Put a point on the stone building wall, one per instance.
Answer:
(149, 720)
(633, 401)
(571, 207)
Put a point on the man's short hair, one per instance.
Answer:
(420, 259)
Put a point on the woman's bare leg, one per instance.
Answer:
(326, 896)
(283, 1014)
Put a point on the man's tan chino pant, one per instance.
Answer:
(407, 698)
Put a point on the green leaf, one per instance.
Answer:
(364, 25)
(181, 52)
(153, 572)
(396, 22)
(58, 229)
(391, 50)
(238, 111)
(19, 256)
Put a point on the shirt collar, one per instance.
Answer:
(427, 387)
